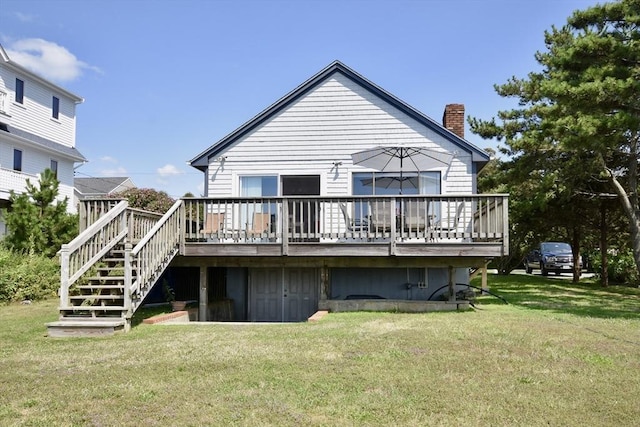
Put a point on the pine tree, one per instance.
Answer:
(37, 222)
(578, 120)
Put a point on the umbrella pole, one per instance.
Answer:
(401, 158)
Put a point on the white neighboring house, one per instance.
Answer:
(37, 131)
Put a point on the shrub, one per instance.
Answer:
(27, 276)
(620, 266)
(146, 199)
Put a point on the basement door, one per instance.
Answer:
(283, 294)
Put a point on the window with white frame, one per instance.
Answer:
(19, 91)
(17, 160)
(55, 107)
(256, 187)
(54, 168)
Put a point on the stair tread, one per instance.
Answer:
(96, 297)
(99, 286)
(87, 321)
(92, 308)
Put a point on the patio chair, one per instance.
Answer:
(357, 224)
(451, 225)
(381, 216)
(261, 225)
(214, 224)
(415, 218)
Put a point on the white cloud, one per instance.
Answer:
(47, 59)
(108, 159)
(23, 17)
(119, 171)
(169, 170)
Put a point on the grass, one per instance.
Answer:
(558, 354)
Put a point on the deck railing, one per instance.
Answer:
(83, 252)
(430, 218)
(152, 254)
(91, 210)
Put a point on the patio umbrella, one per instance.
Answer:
(401, 159)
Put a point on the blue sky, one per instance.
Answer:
(163, 80)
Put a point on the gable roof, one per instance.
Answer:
(101, 186)
(201, 161)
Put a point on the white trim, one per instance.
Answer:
(4, 103)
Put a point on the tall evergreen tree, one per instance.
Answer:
(581, 113)
(37, 222)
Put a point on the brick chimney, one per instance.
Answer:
(453, 118)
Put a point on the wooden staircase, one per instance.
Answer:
(104, 279)
(96, 307)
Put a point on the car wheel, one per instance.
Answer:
(528, 269)
(557, 273)
(545, 272)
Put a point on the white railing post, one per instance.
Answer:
(394, 225)
(127, 277)
(505, 224)
(64, 276)
(285, 227)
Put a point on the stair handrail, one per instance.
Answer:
(83, 252)
(154, 251)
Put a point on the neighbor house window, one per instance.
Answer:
(55, 107)
(19, 91)
(17, 160)
(54, 168)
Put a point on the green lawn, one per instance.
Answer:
(558, 354)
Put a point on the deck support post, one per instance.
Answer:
(485, 286)
(324, 283)
(452, 294)
(204, 295)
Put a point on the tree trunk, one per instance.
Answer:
(630, 206)
(604, 273)
(575, 245)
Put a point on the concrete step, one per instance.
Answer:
(77, 327)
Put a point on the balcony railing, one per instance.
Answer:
(429, 218)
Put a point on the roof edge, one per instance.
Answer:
(201, 160)
(19, 68)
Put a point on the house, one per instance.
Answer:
(95, 188)
(37, 131)
(296, 219)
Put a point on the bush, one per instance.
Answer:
(146, 199)
(31, 277)
(620, 266)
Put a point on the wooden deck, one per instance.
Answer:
(109, 269)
